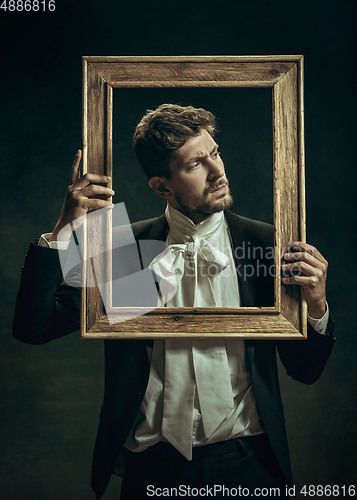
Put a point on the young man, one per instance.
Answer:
(185, 413)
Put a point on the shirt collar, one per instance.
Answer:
(183, 229)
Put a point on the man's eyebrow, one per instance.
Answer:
(200, 156)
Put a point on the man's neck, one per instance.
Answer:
(196, 217)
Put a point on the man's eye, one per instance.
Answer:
(215, 154)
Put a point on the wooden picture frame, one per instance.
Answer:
(284, 74)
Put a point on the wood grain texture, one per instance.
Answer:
(285, 75)
(192, 74)
(302, 199)
(288, 185)
(85, 91)
(193, 326)
(97, 152)
(192, 58)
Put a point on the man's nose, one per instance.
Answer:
(216, 169)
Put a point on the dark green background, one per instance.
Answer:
(244, 122)
(51, 395)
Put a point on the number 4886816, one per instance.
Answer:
(325, 491)
(28, 5)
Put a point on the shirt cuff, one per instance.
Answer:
(57, 245)
(320, 325)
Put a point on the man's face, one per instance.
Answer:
(198, 182)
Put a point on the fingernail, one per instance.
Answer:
(296, 242)
(284, 266)
(111, 191)
(108, 179)
(285, 280)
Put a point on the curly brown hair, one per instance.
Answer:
(163, 130)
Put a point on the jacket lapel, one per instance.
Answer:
(159, 229)
(239, 248)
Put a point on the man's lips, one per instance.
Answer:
(220, 189)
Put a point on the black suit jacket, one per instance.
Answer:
(46, 310)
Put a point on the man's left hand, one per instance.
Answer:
(312, 278)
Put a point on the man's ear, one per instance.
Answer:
(161, 186)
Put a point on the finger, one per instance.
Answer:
(88, 178)
(96, 203)
(300, 268)
(93, 190)
(89, 204)
(310, 249)
(76, 167)
(304, 281)
(306, 257)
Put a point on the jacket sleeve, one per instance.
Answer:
(45, 308)
(304, 360)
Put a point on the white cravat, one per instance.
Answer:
(189, 260)
(199, 391)
(197, 266)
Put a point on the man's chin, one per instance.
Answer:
(210, 207)
(221, 204)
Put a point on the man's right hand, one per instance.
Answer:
(82, 197)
